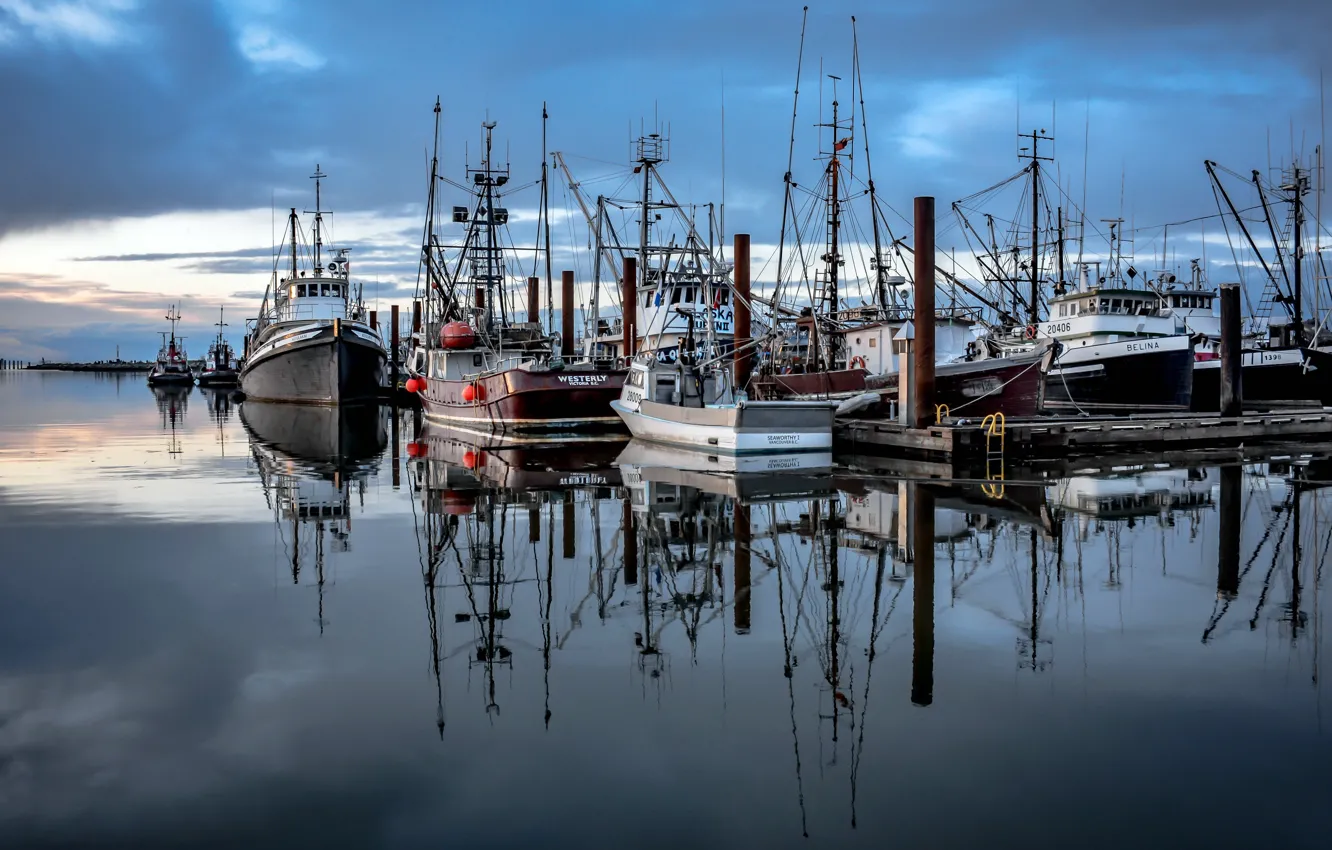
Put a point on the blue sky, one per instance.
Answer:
(147, 140)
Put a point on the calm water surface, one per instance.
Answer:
(248, 626)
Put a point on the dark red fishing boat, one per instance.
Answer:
(1013, 386)
(473, 364)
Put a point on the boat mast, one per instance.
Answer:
(880, 289)
(1298, 259)
(545, 207)
(318, 221)
(292, 224)
(1034, 305)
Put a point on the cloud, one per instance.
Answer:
(97, 22)
(269, 50)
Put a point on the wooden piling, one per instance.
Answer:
(743, 536)
(629, 299)
(393, 348)
(397, 448)
(567, 315)
(922, 596)
(416, 316)
(374, 320)
(534, 519)
(924, 313)
(1232, 352)
(740, 305)
(534, 300)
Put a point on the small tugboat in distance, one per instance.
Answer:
(473, 365)
(311, 343)
(219, 368)
(172, 367)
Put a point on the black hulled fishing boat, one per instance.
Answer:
(1120, 349)
(220, 368)
(172, 367)
(1282, 367)
(311, 342)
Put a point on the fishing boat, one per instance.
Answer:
(1014, 386)
(311, 342)
(1121, 350)
(1283, 366)
(472, 363)
(172, 367)
(678, 263)
(694, 404)
(219, 368)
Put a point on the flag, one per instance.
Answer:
(842, 144)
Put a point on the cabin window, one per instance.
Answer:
(873, 342)
(1063, 310)
(1116, 305)
(324, 291)
(1105, 305)
(1073, 309)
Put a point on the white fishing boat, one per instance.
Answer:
(696, 407)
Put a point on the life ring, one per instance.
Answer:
(1031, 332)
(857, 362)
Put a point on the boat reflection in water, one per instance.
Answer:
(474, 493)
(172, 402)
(310, 460)
(685, 568)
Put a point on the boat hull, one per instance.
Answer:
(1269, 378)
(841, 383)
(1136, 376)
(316, 364)
(1013, 386)
(763, 427)
(160, 378)
(528, 400)
(219, 378)
(316, 434)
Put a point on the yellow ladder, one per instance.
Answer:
(994, 425)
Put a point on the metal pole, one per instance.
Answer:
(924, 313)
(1232, 355)
(740, 303)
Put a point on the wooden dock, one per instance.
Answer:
(967, 440)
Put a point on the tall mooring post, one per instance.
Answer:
(568, 517)
(923, 403)
(629, 298)
(922, 607)
(740, 304)
(567, 315)
(534, 300)
(1232, 352)
(416, 316)
(393, 348)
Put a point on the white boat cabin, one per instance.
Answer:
(876, 347)
(1100, 315)
(662, 317)
(322, 297)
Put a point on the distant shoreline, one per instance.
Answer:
(122, 367)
